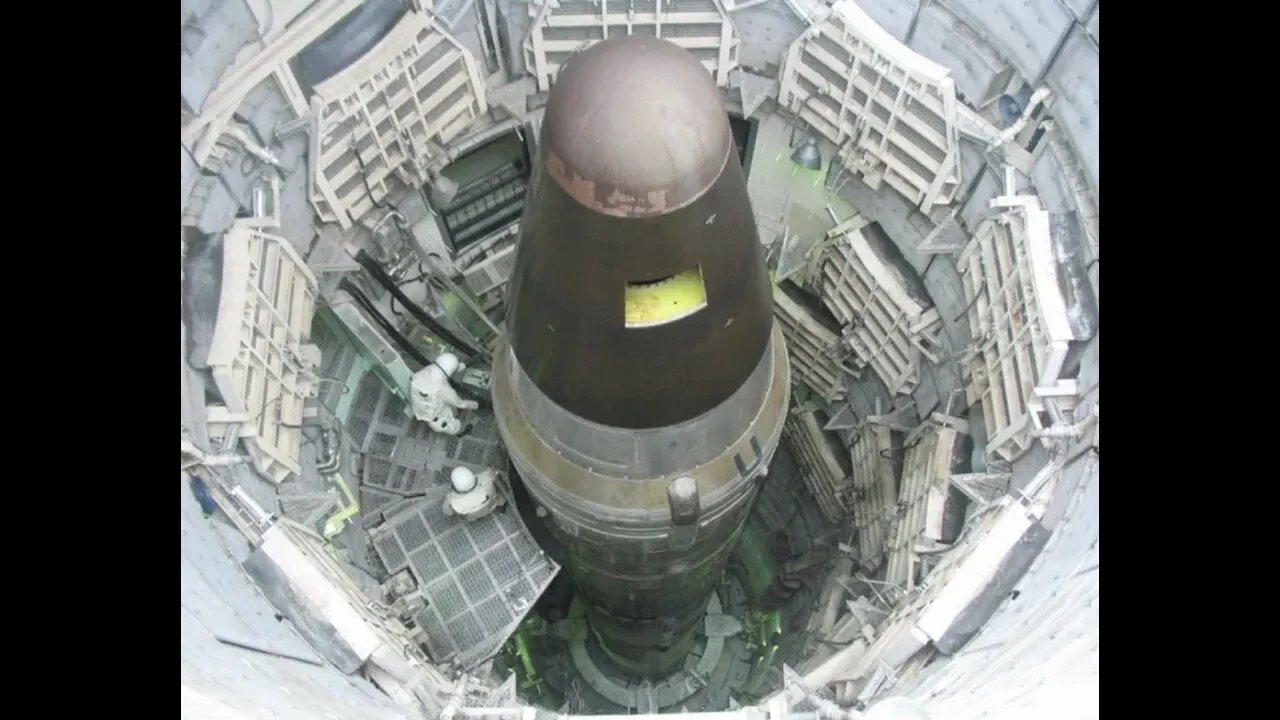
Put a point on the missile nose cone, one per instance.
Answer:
(639, 297)
(635, 127)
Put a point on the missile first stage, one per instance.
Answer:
(642, 387)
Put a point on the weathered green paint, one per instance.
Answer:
(395, 375)
(756, 559)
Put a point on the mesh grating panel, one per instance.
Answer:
(475, 581)
(497, 458)
(366, 400)
(412, 453)
(526, 550)
(398, 507)
(428, 564)
(372, 500)
(439, 640)
(393, 411)
(475, 587)
(435, 517)
(440, 476)
(388, 549)
(467, 631)
(456, 547)
(396, 481)
(376, 471)
(358, 428)
(447, 444)
(503, 564)
(472, 452)
(382, 444)
(485, 535)
(447, 598)
(493, 613)
(412, 533)
(485, 428)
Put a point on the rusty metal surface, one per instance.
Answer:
(641, 123)
(635, 128)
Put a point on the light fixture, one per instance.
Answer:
(1011, 106)
(808, 155)
(443, 191)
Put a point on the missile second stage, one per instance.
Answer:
(643, 386)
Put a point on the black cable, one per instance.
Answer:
(364, 175)
(363, 301)
(379, 274)
(421, 276)
(976, 293)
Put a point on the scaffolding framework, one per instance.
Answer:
(375, 123)
(260, 356)
(562, 28)
(812, 346)
(922, 497)
(890, 111)
(875, 493)
(820, 467)
(1018, 317)
(885, 326)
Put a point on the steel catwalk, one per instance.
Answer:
(642, 389)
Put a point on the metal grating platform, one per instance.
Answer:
(478, 578)
(402, 456)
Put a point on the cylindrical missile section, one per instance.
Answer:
(643, 387)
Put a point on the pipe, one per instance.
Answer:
(251, 146)
(200, 457)
(358, 296)
(1062, 431)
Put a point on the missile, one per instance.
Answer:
(642, 385)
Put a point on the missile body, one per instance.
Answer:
(643, 386)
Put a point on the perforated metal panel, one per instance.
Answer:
(492, 272)
(373, 500)
(363, 407)
(307, 508)
(982, 488)
(479, 578)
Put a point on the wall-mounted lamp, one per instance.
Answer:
(808, 155)
(443, 191)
